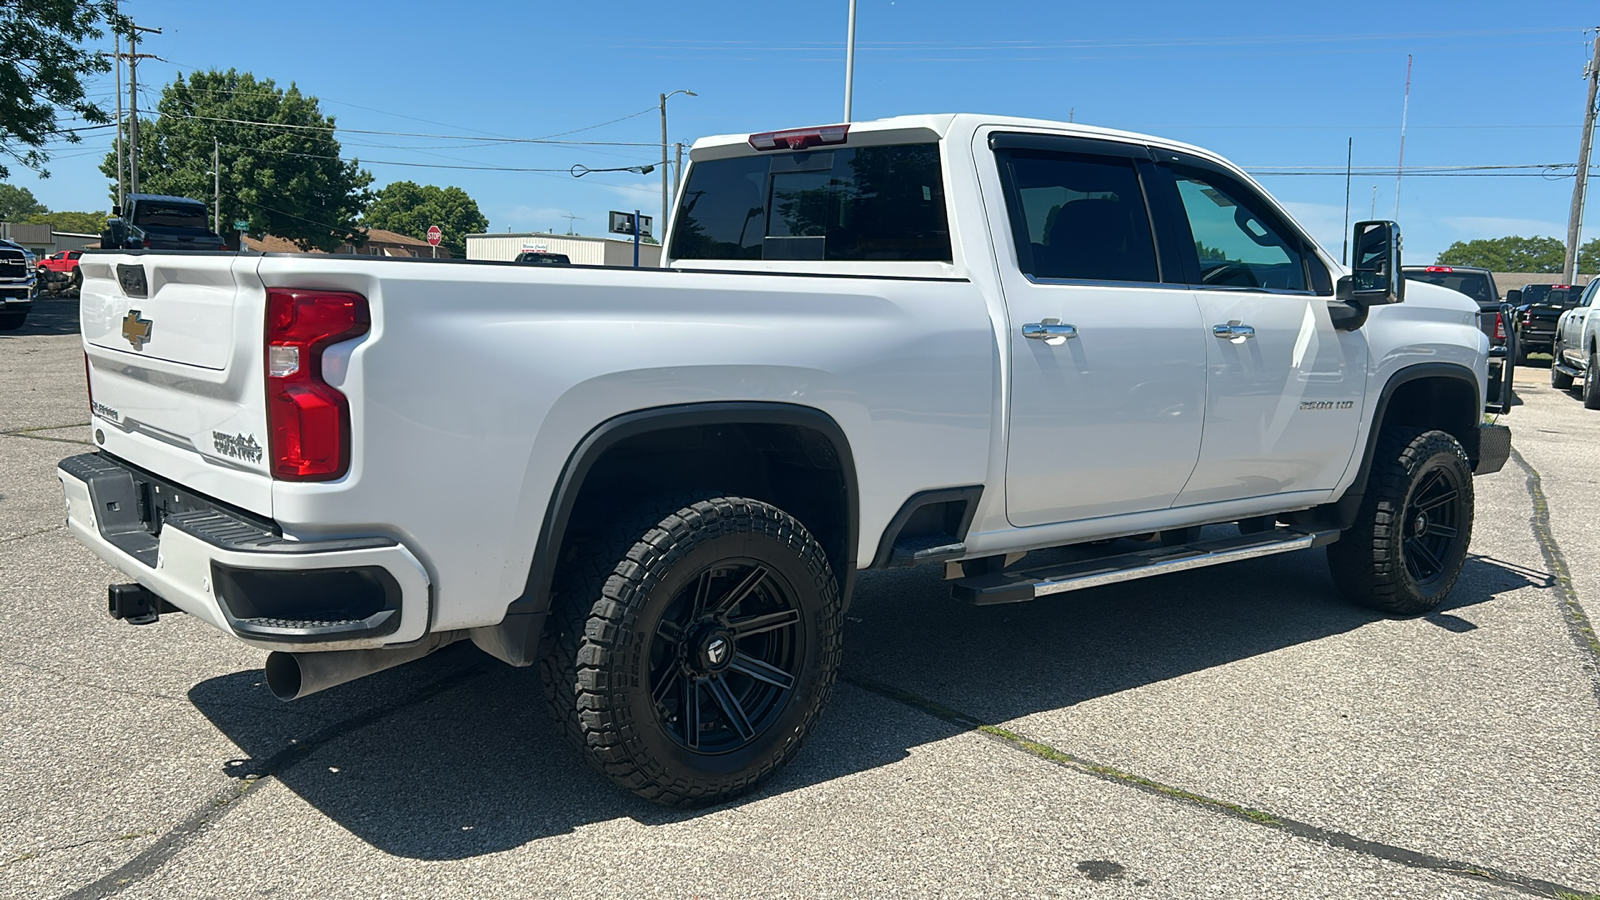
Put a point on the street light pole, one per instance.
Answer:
(662, 222)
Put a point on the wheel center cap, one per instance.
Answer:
(715, 651)
(1420, 525)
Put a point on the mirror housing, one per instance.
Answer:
(116, 210)
(1375, 266)
(1514, 297)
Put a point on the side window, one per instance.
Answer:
(1078, 216)
(1588, 293)
(1237, 246)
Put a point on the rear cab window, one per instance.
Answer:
(1474, 284)
(832, 203)
(170, 215)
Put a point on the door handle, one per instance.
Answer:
(1050, 331)
(1233, 331)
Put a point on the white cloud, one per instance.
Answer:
(530, 218)
(1500, 226)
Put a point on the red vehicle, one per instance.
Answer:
(65, 261)
(58, 272)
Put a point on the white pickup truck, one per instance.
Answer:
(1576, 353)
(944, 340)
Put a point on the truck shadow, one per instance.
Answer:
(454, 756)
(49, 316)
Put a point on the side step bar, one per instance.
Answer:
(1025, 584)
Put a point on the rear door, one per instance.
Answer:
(1284, 388)
(1107, 362)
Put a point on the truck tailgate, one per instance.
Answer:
(174, 346)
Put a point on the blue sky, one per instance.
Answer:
(1267, 84)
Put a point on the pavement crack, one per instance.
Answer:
(207, 814)
(142, 695)
(29, 534)
(24, 432)
(34, 854)
(1578, 622)
(1342, 840)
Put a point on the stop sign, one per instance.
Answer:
(434, 235)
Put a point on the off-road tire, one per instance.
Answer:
(1561, 381)
(1591, 382)
(1377, 562)
(617, 599)
(11, 321)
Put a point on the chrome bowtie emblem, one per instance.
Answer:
(717, 651)
(135, 329)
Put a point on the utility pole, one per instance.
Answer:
(216, 172)
(664, 157)
(117, 55)
(133, 100)
(850, 61)
(1581, 186)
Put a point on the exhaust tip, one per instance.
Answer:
(284, 676)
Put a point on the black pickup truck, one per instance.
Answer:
(1535, 314)
(158, 222)
(1477, 284)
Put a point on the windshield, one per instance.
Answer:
(170, 215)
(861, 203)
(1473, 284)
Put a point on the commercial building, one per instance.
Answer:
(581, 250)
(44, 240)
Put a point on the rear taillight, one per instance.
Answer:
(799, 138)
(1499, 327)
(308, 420)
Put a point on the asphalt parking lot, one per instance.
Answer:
(1230, 732)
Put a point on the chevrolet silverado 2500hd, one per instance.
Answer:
(944, 340)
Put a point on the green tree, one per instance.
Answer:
(1589, 257)
(281, 169)
(18, 203)
(80, 222)
(1508, 254)
(409, 208)
(42, 65)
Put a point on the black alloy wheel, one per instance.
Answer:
(1431, 524)
(1406, 548)
(692, 648)
(726, 655)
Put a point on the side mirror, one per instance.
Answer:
(116, 210)
(1376, 279)
(1513, 297)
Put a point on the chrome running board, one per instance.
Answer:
(1023, 585)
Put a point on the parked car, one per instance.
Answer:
(1576, 354)
(59, 274)
(1534, 320)
(934, 340)
(541, 258)
(160, 222)
(17, 283)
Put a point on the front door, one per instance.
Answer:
(1107, 362)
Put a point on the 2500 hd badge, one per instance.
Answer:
(1327, 404)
